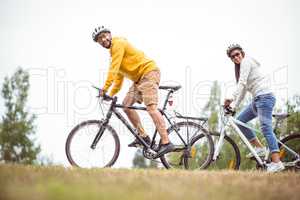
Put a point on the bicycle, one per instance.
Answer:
(99, 145)
(289, 146)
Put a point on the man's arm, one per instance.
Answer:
(117, 54)
(117, 84)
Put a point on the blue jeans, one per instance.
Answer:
(261, 106)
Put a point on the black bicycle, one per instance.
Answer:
(95, 143)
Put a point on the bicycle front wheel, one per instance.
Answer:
(290, 159)
(229, 156)
(182, 157)
(80, 139)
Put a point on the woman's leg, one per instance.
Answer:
(245, 116)
(264, 105)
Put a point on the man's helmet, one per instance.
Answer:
(99, 30)
(233, 47)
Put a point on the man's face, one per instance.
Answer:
(104, 39)
(236, 56)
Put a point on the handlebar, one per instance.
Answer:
(105, 96)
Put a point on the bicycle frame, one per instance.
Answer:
(113, 109)
(233, 123)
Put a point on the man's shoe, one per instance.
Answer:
(136, 142)
(275, 167)
(261, 152)
(165, 148)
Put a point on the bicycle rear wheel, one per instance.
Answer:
(286, 156)
(80, 139)
(182, 158)
(202, 150)
(229, 156)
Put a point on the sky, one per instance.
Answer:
(187, 39)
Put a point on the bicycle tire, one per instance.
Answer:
(232, 163)
(293, 139)
(182, 162)
(194, 152)
(108, 130)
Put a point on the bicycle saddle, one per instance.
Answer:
(174, 88)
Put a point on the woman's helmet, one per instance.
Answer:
(233, 47)
(99, 30)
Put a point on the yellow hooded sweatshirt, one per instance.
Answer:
(126, 61)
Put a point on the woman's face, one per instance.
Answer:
(236, 56)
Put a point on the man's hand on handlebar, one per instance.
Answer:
(102, 93)
(105, 97)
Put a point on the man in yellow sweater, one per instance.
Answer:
(129, 62)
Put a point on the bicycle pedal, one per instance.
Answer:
(155, 147)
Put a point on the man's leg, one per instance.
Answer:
(148, 86)
(166, 146)
(133, 116)
(132, 97)
(159, 123)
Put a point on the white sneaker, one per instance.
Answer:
(275, 167)
(261, 152)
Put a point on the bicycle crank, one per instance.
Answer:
(149, 153)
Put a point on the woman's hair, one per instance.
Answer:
(237, 72)
(230, 49)
(237, 68)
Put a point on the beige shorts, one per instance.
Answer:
(146, 89)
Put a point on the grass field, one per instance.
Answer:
(51, 183)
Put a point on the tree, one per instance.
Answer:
(213, 107)
(292, 123)
(17, 125)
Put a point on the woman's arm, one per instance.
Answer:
(241, 90)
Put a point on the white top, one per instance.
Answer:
(252, 80)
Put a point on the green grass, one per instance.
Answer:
(29, 182)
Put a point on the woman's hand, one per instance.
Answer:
(227, 102)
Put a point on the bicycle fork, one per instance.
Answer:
(219, 145)
(102, 125)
